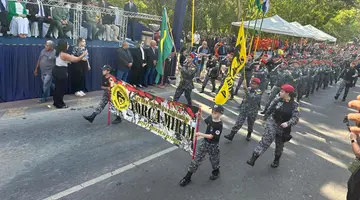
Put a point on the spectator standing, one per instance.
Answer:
(203, 52)
(4, 19)
(108, 20)
(60, 72)
(46, 63)
(79, 68)
(138, 68)
(196, 39)
(61, 16)
(17, 15)
(151, 58)
(125, 62)
(131, 7)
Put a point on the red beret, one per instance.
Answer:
(263, 61)
(192, 55)
(256, 80)
(265, 55)
(288, 88)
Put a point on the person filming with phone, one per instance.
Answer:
(354, 168)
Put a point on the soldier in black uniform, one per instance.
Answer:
(188, 72)
(208, 145)
(107, 79)
(282, 114)
(348, 74)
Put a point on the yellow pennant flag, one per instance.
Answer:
(237, 64)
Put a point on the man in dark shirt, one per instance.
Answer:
(347, 75)
(125, 62)
(131, 7)
(209, 145)
(107, 79)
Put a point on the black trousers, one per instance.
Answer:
(4, 22)
(137, 75)
(354, 187)
(40, 21)
(60, 75)
(78, 75)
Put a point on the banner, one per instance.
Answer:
(237, 64)
(173, 121)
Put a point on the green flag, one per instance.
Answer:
(165, 46)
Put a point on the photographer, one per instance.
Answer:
(354, 168)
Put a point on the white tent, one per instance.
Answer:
(314, 35)
(275, 25)
(305, 31)
(320, 33)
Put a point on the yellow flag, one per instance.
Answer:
(237, 64)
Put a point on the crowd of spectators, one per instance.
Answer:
(21, 19)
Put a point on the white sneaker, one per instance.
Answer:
(82, 93)
(78, 94)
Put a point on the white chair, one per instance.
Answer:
(34, 29)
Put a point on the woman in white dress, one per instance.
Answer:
(17, 15)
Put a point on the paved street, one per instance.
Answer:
(44, 152)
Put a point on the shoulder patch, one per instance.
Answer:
(217, 132)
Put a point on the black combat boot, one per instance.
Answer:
(202, 90)
(344, 99)
(186, 180)
(276, 162)
(263, 112)
(118, 120)
(215, 174)
(252, 160)
(213, 89)
(336, 97)
(90, 118)
(230, 136)
(248, 137)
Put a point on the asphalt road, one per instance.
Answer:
(45, 153)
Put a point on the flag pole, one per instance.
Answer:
(196, 130)
(262, 20)
(193, 22)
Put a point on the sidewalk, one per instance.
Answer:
(30, 106)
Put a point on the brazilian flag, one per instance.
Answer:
(165, 46)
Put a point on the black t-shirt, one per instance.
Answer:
(213, 128)
(105, 81)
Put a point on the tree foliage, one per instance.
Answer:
(339, 18)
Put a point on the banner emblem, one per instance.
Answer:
(120, 97)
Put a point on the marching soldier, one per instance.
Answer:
(188, 72)
(261, 72)
(107, 82)
(283, 78)
(248, 109)
(348, 75)
(213, 67)
(208, 145)
(249, 67)
(282, 114)
(311, 79)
